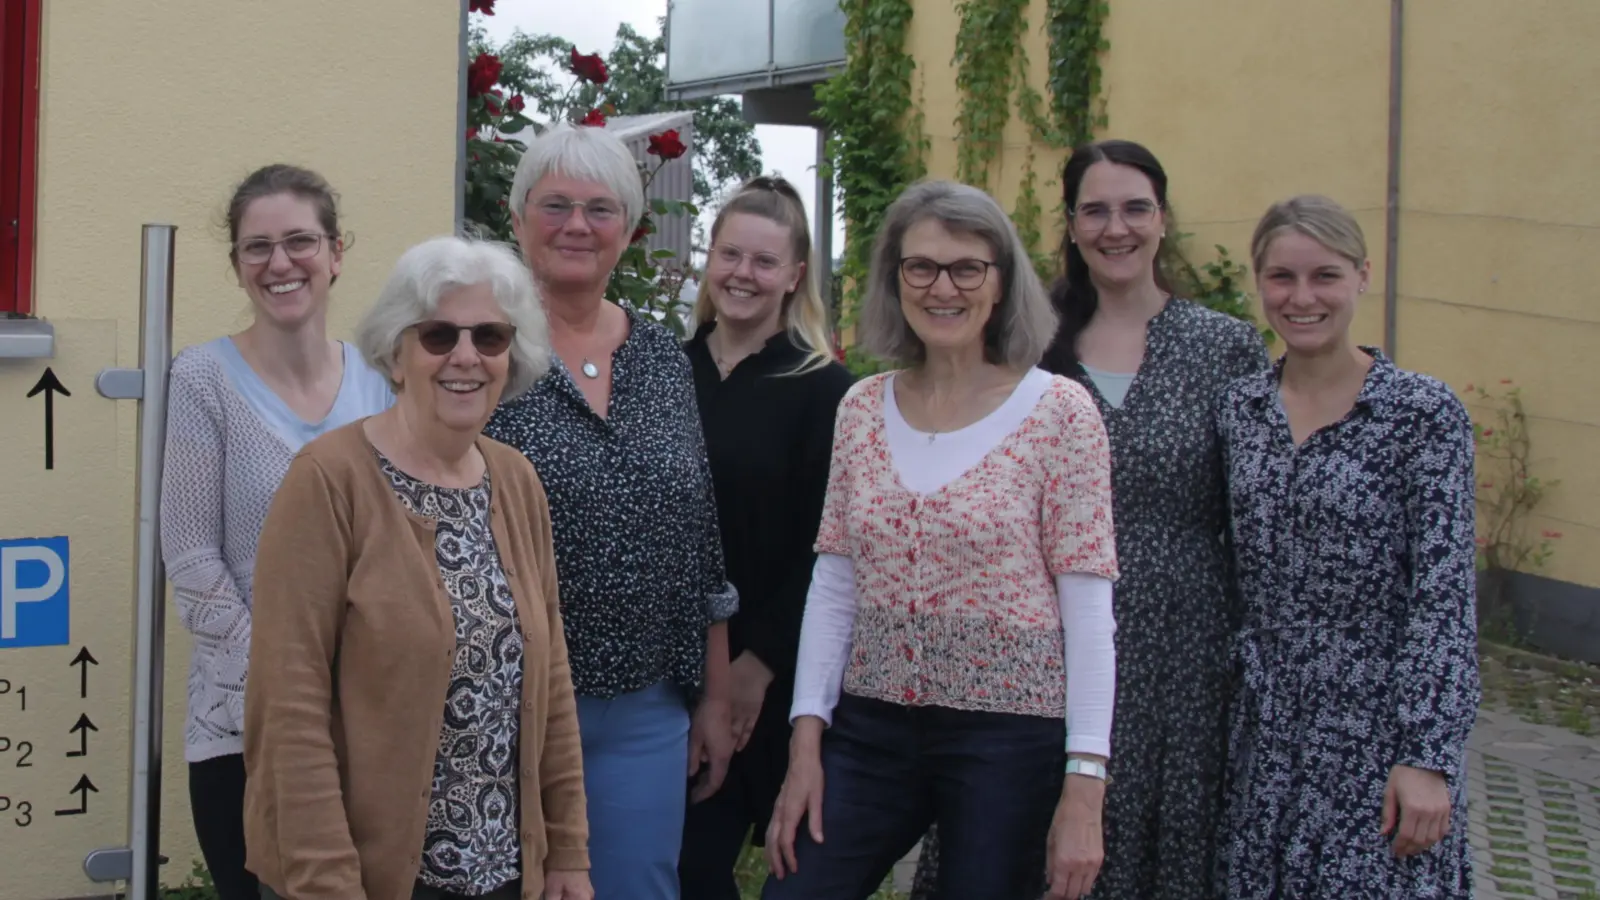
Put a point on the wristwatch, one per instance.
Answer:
(1087, 768)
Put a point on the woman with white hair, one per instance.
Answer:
(410, 730)
(960, 610)
(614, 431)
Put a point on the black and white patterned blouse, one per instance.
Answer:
(638, 553)
(1359, 645)
(471, 845)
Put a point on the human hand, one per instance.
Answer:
(568, 884)
(800, 798)
(1416, 808)
(750, 677)
(711, 745)
(1075, 847)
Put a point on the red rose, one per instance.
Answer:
(472, 132)
(482, 74)
(515, 104)
(594, 118)
(667, 145)
(481, 6)
(590, 67)
(639, 234)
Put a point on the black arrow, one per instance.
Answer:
(82, 729)
(82, 789)
(50, 386)
(85, 659)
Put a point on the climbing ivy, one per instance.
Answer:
(875, 146)
(988, 43)
(1076, 42)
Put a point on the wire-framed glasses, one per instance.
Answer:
(300, 245)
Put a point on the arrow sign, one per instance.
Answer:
(84, 660)
(82, 789)
(82, 729)
(49, 385)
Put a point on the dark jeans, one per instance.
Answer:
(990, 781)
(512, 891)
(216, 801)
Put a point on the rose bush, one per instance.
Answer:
(650, 281)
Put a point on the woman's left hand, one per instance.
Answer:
(1075, 845)
(568, 884)
(710, 745)
(1416, 808)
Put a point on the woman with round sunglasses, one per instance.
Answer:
(411, 730)
(240, 408)
(959, 612)
(614, 432)
(767, 387)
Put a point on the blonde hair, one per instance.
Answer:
(1316, 217)
(803, 314)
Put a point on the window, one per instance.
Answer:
(19, 119)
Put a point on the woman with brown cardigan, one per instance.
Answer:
(410, 728)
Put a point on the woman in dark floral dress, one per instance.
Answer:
(1155, 365)
(1352, 502)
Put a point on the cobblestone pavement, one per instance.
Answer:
(1534, 804)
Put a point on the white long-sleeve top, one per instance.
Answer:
(924, 464)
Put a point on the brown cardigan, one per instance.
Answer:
(350, 661)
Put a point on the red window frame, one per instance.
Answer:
(19, 138)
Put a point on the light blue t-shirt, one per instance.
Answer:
(362, 392)
(1112, 385)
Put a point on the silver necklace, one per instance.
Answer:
(590, 369)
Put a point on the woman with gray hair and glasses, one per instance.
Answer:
(615, 434)
(960, 610)
(410, 730)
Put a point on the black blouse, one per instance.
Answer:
(638, 556)
(769, 435)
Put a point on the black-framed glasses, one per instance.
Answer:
(300, 245)
(765, 265)
(488, 338)
(1096, 217)
(557, 210)
(965, 274)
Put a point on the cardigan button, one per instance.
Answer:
(527, 638)
(527, 773)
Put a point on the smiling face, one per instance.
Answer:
(290, 287)
(750, 269)
(458, 389)
(568, 246)
(1308, 293)
(948, 308)
(1117, 224)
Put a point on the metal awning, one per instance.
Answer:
(717, 47)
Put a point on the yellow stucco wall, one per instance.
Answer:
(151, 112)
(1256, 100)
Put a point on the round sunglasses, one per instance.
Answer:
(488, 338)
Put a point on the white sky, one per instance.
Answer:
(592, 25)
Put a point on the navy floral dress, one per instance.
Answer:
(1359, 645)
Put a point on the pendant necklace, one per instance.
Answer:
(590, 369)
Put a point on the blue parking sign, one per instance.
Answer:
(35, 582)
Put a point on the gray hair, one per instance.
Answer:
(587, 154)
(1023, 322)
(434, 268)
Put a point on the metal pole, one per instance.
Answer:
(824, 226)
(1391, 203)
(140, 862)
(155, 358)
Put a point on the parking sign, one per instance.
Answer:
(35, 583)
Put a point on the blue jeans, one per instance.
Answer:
(635, 763)
(990, 781)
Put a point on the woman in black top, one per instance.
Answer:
(767, 388)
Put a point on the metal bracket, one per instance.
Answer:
(111, 864)
(120, 384)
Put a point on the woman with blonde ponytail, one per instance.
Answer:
(768, 386)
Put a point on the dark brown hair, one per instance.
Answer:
(1073, 295)
(280, 178)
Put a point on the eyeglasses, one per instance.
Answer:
(488, 338)
(600, 211)
(965, 274)
(303, 245)
(1096, 217)
(729, 257)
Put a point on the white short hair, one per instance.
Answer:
(585, 153)
(435, 267)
